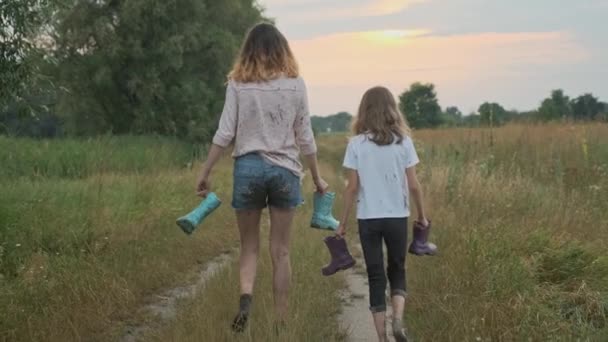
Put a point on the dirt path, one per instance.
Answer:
(355, 317)
(164, 306)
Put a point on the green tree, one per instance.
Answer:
(420, 106)
(19, 23)
(492, 114)
(555, 107)
(528, 116)
(147, 66)
(586, 107)
(25, 90)
(471, 120)
(452, 117)
(339, 122)
(604, 114)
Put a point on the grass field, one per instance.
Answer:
(87, 236)
(84, 243)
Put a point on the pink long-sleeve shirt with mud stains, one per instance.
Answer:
(269, 118)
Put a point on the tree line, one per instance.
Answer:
(339, 122)
(82, 67)
(421, 108)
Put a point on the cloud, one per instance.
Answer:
(307, 10)
(289, 2)
(349, 63)
(383, 7)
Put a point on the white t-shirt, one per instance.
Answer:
(383, 189)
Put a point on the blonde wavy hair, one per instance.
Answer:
(379, 117)
(265, 55)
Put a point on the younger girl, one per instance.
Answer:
(380, 162)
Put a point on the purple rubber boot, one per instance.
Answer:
(420, 244)
(340, 257)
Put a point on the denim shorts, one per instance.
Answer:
(258, 184)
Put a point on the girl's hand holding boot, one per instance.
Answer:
(203, 185)
(341, 230)
(424, 222)
(321, 185)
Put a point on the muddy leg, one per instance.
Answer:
(249, 228)
(280, 231)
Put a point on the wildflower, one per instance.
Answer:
(585, 149)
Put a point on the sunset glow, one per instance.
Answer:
(395, 35)
(472, 51)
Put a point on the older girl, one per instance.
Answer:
(266, 117)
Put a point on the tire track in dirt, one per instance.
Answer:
(164, 306)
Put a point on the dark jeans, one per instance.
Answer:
(394, 233)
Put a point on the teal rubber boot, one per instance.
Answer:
(322, 217)
(189, 222)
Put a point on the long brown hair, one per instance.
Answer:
(265, 55)
(380, 118)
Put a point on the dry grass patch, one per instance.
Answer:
(80, 256)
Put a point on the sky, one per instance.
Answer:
(513, 52)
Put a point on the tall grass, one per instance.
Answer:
(519, 215)
(520, 219)
(519, 260)
(81, 251)
(79, 256)
(79, 158)
(314, 300)
(87, 232)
